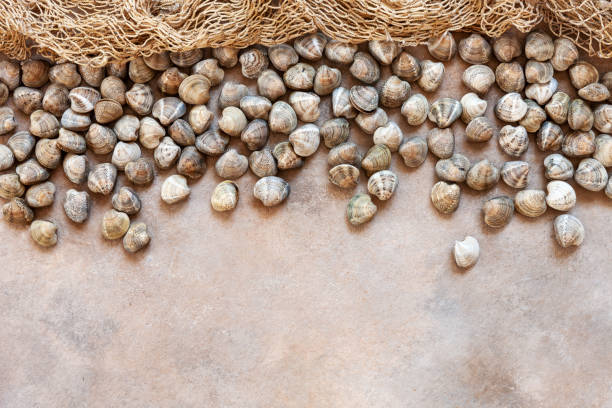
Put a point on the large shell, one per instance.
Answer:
(432, 74)
(76, 168)
(558, 107)
(341, 105)
(107, 110)
(210, 69)
(334, 131)
(591, 175)
(415, 109)
(541, 93)
(194, 89)
(44, 233)
(139, 72)
(413, 151)
(10, 186)
(326, 80)
(539, 46)
(390, 135)
(21, 144)
(231, 165)
(92, 76)
(603, 150)
(530, 203)
(344, 176)
(48, 153)
(376, 159)
(515, 174)
(28, 100)
(270, 85)
(480, 129)
(140, 99)
(34, 73)
(6, 157)
(561, 196)
(537, 72)
(102, 178)
(169, 109)
(140, 171)
(43, 124)
(16, 211)
(212, 143)
(136, 238)
(150, 133)
(369, 122)
(482, 175)
(534, 117)
(475, 49)
(583, 73)
(441, 142)
(478, 78)
(347, 152)
(191, 163)
(100, 139)
(594, 92)
(382, 184)
(579, 144)
(9, 74)
(174, 189)
(466, 252)
(407, 67)
(565, 54)
(393, 91)
(305, 105)
(453, 169)
(227, 56)
(445, 111)
(340, 52)
(513, 140)
(262, 163)
(231, 94)
(602, 118)
(549, 137)
(442, 47)
(83, 99)
(224, 196)
(510, 77)
(170, 81)
(305, 140)
(282, 56)
(56, 99)
(167, 153)
(364, 98)
(65, 74)
(158, 62)
(126, 128)
(41, 195)
(77, 205)
(123, 153)
(77, 122)
(580, 116)
(507, 47)
(31, 172)
(360, 209)
(115, 224)
(445, 197)
(569, 231)
(511, 107)
(365, 68)
(186, 58)
(113, 88)
(181, 132)
(126, 200)
(271, 190)
(254, 107)
(285, 156)
(498, 211)
(310, 46)
(300, 77)
(255, 134)
(558, 167)
(282, 118)
(472, 107)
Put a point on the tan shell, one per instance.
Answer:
(9, 74)
(126, 200)
(285, 156)
(139, 72)
(558, 107)
(583, 73)
(232, 121)
(107, 110)
(480, 129)
(482, 175)
(432, 74)
(539, 46)
(34, 73)
(77, 205)
(65, 74)
(478, 78)
(591, 175)
(212, 143)
(31, 172)
(270, 85)
(510, 77)
(255, 134)
(384, 51)
(365, 68)
(100, 139)
(376, 159)
(363, 98)
(538, 72)
(124, 153)
(271, 190)
(262, 163)
(76, 168)
(167, 153)
(565, 54)
(360, 209)
(603, 150)
(369, 122)
(507, 47)
(136, 238)
(558, 167)
(441, 142)
(10, 186)
(549, 137)
(92, 76)
(158, 62)
(454, 169)
(341, 105)
(44, 233)
(475, 49)
(43, 124)
(231, 165)
(326, 80)
(41, 195)
(606, 79)
(115, 224)
(335, 131)
(181, 132)
(191, 163)
(497, 212)
(310, 46)
(407, 67)
(415, 109)
(224, 196)
(186, 58)
(530, 203)
(595, 92)
(255, 107)
(472, 107)
(140, 99)
(300, 77)
(305, 140)
(56, 99)
(231, 94)
(445, 197)
(4, 93)
(282, 118)
(305, 105)
(390, 135)
(393, 91)
(210, 69)
(511, 107)
(444, 111)
(48, 153)
(569, 231)
(227, 56)
(150, 133)
(6, 157)
(541, 93)
(83, 99)
(27, 100)
(466, 252)
(118, 69)
(140, 171)
(126, 128)
(534, 117)
(175, 189)
(168, 109)
(102, 178)
(344, 153)
(21, 144)
(602, 118)
(513, 140)
(561, 196)
(16, 211)
(580, 116)
(515, 174)
(282, 56)
(413, 151)
(340, 52)
(170, 81)
(194, 89)
(442, 47)
(382, 184)
(344, 176)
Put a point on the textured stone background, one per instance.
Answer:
(293, 307)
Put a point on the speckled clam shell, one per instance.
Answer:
(454, 169)
(126, 200)
(472, 107)
(413, 151)
(341, 105)
(407, 67)
(270, 85)
(510, 77)
(390, 135)
(415, 109)
(174, 189)
(227, 56)
(369, 122)
(602, 118)
(511, 108)
(478, 78)
(140, 171)
(168, 109)
(603, 150)
(539, 46)
(77, 205)
(305, 140)
(541, 93)
(167, 153)
(537, 72)
(334, 131)
(558, 167)
(65, 74)
(365, 68)
(76, 168)
(100, 139)
(282, 118)
(126, 128)
(507, 47)
(363, 98)
(34, 73)
(102, 178)
(530, 203)
(10, 186)
(480, 129)
(255, 107)
(579, 144)
(561, 196)
(83, 99)
(384, 51)
(262, 163)
(43, 124)
(382, 184)
(225, 196)
(326, 80)
(583, 73)
(475, 49)
(231, 165)
(580, 116)
(285, 156)
(564, 55)
(482, 175)
(191, 163)
(441, 142)
(48, 153)
(466, 252)
(444, 111)
(136, 238)
(115, 224)
(21, 144)
(310, 46)
(212, 143)
(140, 99)
(513, 140)
(107, 110)
(442, 47)
(27, 100)
(340, 52)
(591, 175)
(31, 172)
(568, 230)
(9, 74)
(534, 117)
(255, 134)
(595, 92)
(376, 159)
(558, 107)
(300, 77)
(17, 211)
(271, 190)
(393, 91)
(282, 56)
(181, 132)
(344, 176)
(347, 152)
(432, 74)
(305, 105)
(515, 174)
(44, 233)
(360, 209)
(549, 137)
(445, 197)
(497, 211)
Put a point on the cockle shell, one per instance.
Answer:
(537, 72)
(115, 224)
(363, 98)
(191, 163)
(254, 107)
(10, 186)
(100, 139)
(561, 196)
(136, 238)
(583, 73)
(227, 56)
(344, 176)
(270, 85)
(595, 92)
(262, 163)
(231, 165)
(415, 109)
(334, 131)
(210, 69)
(34, 73)
(285, 156)
(539, 46)
(83, 99)
(123, 153)
(126, 200)
(224, 196)
(549, 137)
(282, 118)
(445, 197)
(511, 108)
(181, 132)
(126, 128)
(432, 74)
(48, 153)
(21, 144)
(168, 109)
(102, 178)
(382, 184)
(77, 205)
(64, 74)
(76, 168)
(530, 203)
(194, 89)
(43, 124)
(393, 91)
(271, 190)
(541, 93)
(390, 135)
(6, 157)
(344, 153)
(474, 49)
(569, 231)
(139, 72)
(407, 67)
(603, 150)
(413, 151)
(231, 94)
(365, 68)
(282, 56)
(558, 167)
(478, 78)
(558, 107)
(212, 143)
(44, 233)
(444, 111)
(300, 77)
(565, 54)
(41, 195)
(27, 100)
(376, 159)
(480, 129)
(498, 211)
(16, 211)
(507, 47)
(453, 169)
(186, 58)
(326, 80)
(255, 134)
(174, 189)
(140, 171)
(305, 105)
(341, 105)
(591, 175)
(513, 140)
(305, 140)
(167, 153)
(466, 252)
(515, 174)
(442, 47)
(482, 175)
(602, 118)
(310, 46)
(140, 99)
(340, 52)
(31, 172)
(534, 117)
(472, 107)
(510, 77)
(579, 144)
(170, 81)
(441, 142)
(158, 62)
(360, 209)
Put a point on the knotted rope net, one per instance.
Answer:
(100, 31)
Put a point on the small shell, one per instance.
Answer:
(413, 151)
(191, 163)
(475, 49)
(262, 163)
(255, 134)
(174, 189)
(390, 135)
(124, 153)
(444, 112)
(340, 52)
(232, 121)
(31, 172)
(115, 224)
(44, 233)
(150, 133)
(360, 209)
(541, 93)
(224, 196)
(305, 140)
(369, 122)
(407, 67)
(310, 46)
(558, 167)
(34, 73)
(227, 56)
(498, 211)
(565, 54)
(432, 74)
(344, 153)
(480, 129)
(43, 124)
(210, 69)
(170, 81)
(158, 62)
(583, 73)
(341, 105)
(76, 205)
(558, 107)
(602, 118)
(534, 117)
(507, 47)
(530, 203)
(48, 153)
(118, 69)
(384, 51)
(10, 186)
(482, 175)
(9, 74)
(27, 100)
(453, 169)
(139, 72)
(83, 99)
(513, 140)
(285, 156)
(136, 238)
(515, 174)
(126, 128)
(270, 85)
(181, 132)
(510, 77)
(167, 153)
(6, 157)
(140, 99)
(326, 80)
(102, 178)
(282, 118)
(561, 196)
(569, 231)
(282, 56)
(603, 150)
(231, 165)
(212, 143)
(271, 190)
(591, 175)
(140, 171)
(382, 184)
(300, 77)
(254, 107)
(579, 144)
(478, 78)
(442, 47)
(126, 200)
(511, 107)
(41, 195)
(305, 105)
(21, 144)
(231, 94)
(393, 92)
(100, 139)
(17, 211)
(549, 137)
(169, 109)
(76, 168)
(441, 142)
(335, 131)
(445, 197)
(466, 252)
(107, 110)
(344, 176)
(56, 99)
(65, 74)
(537, 72)
(472, 107)
(539, 46)
(186, 58)
(194, 89)
(364, 98)
(595, 92)
(415, 109)
(376, 159)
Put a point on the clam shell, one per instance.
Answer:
(300, 77)
(549, 137)
(170, 81)
(285, 156)
(10, 186)
(466, 252)
(227, 56)
(564, 55)
(482, 175)
(602, 118)
(83, 99)
(139, 72)
(569, 231)
(305, 140)
(212, 143)
(413, 151)
(31, 172)
(344, 153)
(382, 184)
(64, 74)
(507, 47)
(530, 203)
(44, 233)
(341, 105)
(123, 153)
(140, 99)
(365, 68)
(150, 133)
(445, 197)
(194, 89)
(231, 165)
(510, 77)
(384, 51)
(27, 100)
(107, 110)
(126, 200)
(558, 107)
(140, 171)
(9, 74)
(390, 135)
(102, 179)
(474, 49)
(541, 93)
(415, 110)
(76, 168)
(442, 47)
(126, 128)
(364, 98)
(334, 131)
(407, 67)
(191, 163)
(4, 93)
(515, 174)
(369, 122)
(534, 117)
(255, 134)
(305, 105)
(158, 62)
(270, 85)
(340, 52)
(43, 124)
(262, 163)
(231, 94)
(513, 140)
(210, 69)
(174, 189)
(579, 144)
(444, 111)
(282, 56)
(47, 153)
(282, 118)
(167, 153)
(344, 176)
(603, 150)
(441, 142)
(255, 107)
(591, 175)
(594, 92)
(511, 108)
(186, 58)
(136, 238)
(310, 46)
(583, 73)
(168, 109)
(41, 195)
(224, 196)
(360, 209)
(478, 78)
(558, 167)
(115, 224)
(498, 211)
(537, 72)
(16, 211)
(454, 169)
(472, 107)
(34, 73)
(480, 129)
(100, 139)
(181, 132)
(118, 69)
(76, 205)
(376, 159)
(6, 157)
(21, 144)
(580, 116)
(326, 80)
(432, 74)
(393, 91)
(561, 196)
(271, 190)
(539, 46)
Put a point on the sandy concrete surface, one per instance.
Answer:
(293, 307)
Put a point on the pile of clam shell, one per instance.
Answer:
(113, 113)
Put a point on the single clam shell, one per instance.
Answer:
(6, 157)
(480, 129)
(513, 140)
(186, 58)
(561, 196)
(498, 211)
(43, 124)
(212, 143)
(9, 74)
(340, 52)
(382, 184)
(174, 189)
(126, 200)
(285, 156)
(118, 69)
(191, 163)
(44, 233)
(453, 169)
(594, 92)
(170, 81)
(63, 74)
(376, 159)
(76, 168)
(305, 140)
(200, 118)
(549, 137)
(31, 172)
(558, 167)
(140, 171)
(167, 153)
(255, 134)
(579, 144)
(482, 175)
(472, 107)
(310, 46)
(227, 56)
(194, 89)
(126, 128)
(224, 196)
(305, 105)
(602, 118)
(16, 211)
(181, 132)
(534, 117)
(511, 108)
(10, 186)
(136, 238)
(254, 107)
(432, 74)
(77, 205)
(150, 133)
(282, 56)
(569, 231)
(390, 135)
(413, 151)
(83, 99)
(27, 100)
(300, 77)
(564, 55)
(102, 178)
(326, 80)
(21, 144)
(271, 190)
(139, 72)
(4, 93)
(270, 85)
(444, 112)
(364, 98)
(445, 197)
(580, 116)
(558, 107)
(515, 174)
(100, 139)
(168, 109)
(369, 122)
(360, 209)
(441, 142)
(475, 49)
(365, 68)
(415, 110)
(158, 62)
(231, 94)
(442, 47)
(407, 67)
(591, 175)
(210, 69)
(334, 131)
(48, 153)
(262, 163)
(606, 79)
(107, 110)
(541, 93)
(344, 176)
(479, 78)
(510, 77)
(140, 99)
(384, 51)
(115, 224)
(507, 47)
(539, 46)
(466, 252)
(344, 153)
(530, 203)
(125, 153)
(537, 72)
(341, 105)
(603, 150)
(583, 73)
(231, 165)
(282, 118)
(393, 91)
(34, 73)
